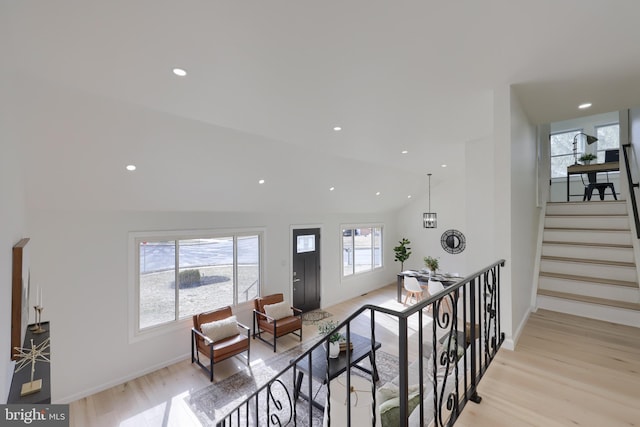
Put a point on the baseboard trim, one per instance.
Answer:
(510, 343)
(121, 380)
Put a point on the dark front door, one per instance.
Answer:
(306, 268)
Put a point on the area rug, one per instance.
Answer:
(215, 401)
(314, 317)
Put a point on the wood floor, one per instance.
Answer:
(565, 371)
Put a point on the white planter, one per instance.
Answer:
(334, 349)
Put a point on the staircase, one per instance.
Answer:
(587, 263)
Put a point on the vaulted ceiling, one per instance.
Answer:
(92, 90)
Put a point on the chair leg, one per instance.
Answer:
(275, 334)
(211, 366)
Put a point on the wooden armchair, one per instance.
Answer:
(288, 322)
(216, 334)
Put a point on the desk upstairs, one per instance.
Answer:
(582, 169)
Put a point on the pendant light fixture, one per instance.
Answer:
(430, 219)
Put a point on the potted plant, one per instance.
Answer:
(587, 157)
(328, 329)
(431, 263)
(403, 252)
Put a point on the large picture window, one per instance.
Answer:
(179, 276)
(361, 249)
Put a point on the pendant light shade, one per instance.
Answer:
(430, 219)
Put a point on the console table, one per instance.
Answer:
(596, 167)
(42, 371)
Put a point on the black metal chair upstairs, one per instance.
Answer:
(595, 185)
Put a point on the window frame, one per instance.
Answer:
(373, 266)
(136, 237)
(598, 150)
(579, 148)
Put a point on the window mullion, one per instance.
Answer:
(177, 277)
(353, 251)
(235, 270)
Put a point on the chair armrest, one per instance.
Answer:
(243, 326)
(207, 340)
(297, 311)
(259, 313)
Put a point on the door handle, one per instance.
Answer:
(296, 280)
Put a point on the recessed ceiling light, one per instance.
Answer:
(409, 196)
(131, 167)
(404, 151)
(377, 193)
(443, 165)
(585, 105)
(332, 188)
(179, 72)
(261, 181)
(337, 128)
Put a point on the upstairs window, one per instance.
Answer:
(608, 139)
(562, 151)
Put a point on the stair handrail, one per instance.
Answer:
(487, 315)
(632, 185)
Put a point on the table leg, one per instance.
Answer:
(296, 389)
(374, 368)
(297, 393)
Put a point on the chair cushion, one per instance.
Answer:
(390, 409)
(229, 346)
(279, 310)
(220, 329)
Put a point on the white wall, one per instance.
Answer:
(524, 214)
(480, 204)
(515, 209)
(448, 201)
(12, 228)
(502, 201)
(81, 260)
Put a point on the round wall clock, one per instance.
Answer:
(453, 241)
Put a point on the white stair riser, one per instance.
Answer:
(609, 222)
(592, 270)
(618, 293)
(588, 236)
(592, 311)
(588, 208)
(589, 252)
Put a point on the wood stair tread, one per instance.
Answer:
(591, 300)
(582, 215)
(589, 261)
(625, 230)
(589, 279)
(592, 244)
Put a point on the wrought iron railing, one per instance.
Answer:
(626, 148)
(461, 329)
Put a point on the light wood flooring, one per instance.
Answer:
(565, 371)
